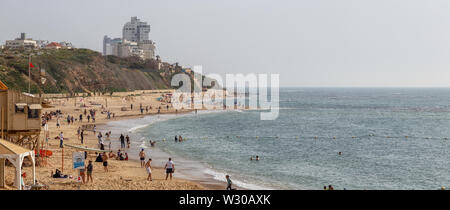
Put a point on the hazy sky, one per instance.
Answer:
(309, 42)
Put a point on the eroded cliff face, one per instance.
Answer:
(80, 70)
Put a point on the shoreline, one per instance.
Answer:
(199, 170)
(209, 183)
(122, 175)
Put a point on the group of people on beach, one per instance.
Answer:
(122, 139)
(147, 108)
(103, 156)
(87, 170)
(169, 167)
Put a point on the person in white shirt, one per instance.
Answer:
(170, 168)
(61, 139)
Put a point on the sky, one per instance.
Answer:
(309, 43)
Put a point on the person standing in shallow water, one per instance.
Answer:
(122, 141)
(128, 141)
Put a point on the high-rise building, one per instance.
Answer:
(134, 42)
(135, 30)
(110, 45)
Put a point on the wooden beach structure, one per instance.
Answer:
(20, 117)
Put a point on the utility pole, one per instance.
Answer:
(29, 74)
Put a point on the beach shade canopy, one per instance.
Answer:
(14, 154)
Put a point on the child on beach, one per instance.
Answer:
(148, 167)
(82, 175)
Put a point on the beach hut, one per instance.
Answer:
(20, 117)
(14, 154)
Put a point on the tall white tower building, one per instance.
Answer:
(135, 30)
(134, 42)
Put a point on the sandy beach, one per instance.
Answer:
(122, 175)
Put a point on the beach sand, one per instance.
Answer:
(122, 175)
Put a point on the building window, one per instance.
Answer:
(33, 113)
(20, 108)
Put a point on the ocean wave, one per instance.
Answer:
(221, 177)
(138, 127)
(143, 146)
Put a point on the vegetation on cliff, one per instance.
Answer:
(82, 70)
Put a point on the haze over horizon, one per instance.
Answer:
(315, 43)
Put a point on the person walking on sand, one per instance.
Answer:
(105, 161)
(89, 118)
(99, 136)
(81, 118)
(102, 144)
(148, 167)
(61, 139)
(58, 123)
(89, 169)
(82, 136)
(170, 168)
(142, 157)
(229, 182)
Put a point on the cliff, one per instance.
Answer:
(81, 70)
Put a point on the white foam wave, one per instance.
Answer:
(221, 177)
(137, 127)
(143, 145)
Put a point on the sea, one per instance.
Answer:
(350, 138)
